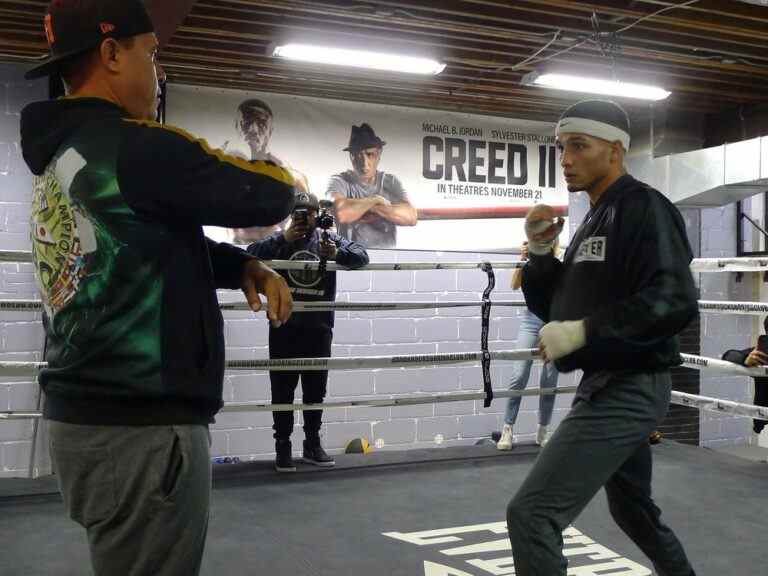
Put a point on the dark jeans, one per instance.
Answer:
(141, 492)
(288, 342)
(602, 441)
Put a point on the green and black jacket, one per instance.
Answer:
(127, 278)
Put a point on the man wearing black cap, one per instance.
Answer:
(613, 308)
(135, 345)
(369, 203)
(306, 334)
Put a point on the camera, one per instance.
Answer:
(325, 219)
(300, 215)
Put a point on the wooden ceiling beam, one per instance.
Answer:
(669, 76)
(321, 14)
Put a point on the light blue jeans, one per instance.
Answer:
(528, 337)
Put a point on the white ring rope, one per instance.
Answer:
(719, 405)
(704, 363)
(679, 398)
(374, 362)
(729, 265)
(373, 306)
(707, 306)
(721, 307)
(697, 265)
(18, 369)
(359, 403)
(307, 265)
(15, 256)
(36, 305)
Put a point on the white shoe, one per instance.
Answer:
(542, 435)
(505, 442)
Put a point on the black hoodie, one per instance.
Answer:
(127, 278)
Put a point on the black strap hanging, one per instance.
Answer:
(485, 326)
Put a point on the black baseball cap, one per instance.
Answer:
(307, 200)
(72, 27)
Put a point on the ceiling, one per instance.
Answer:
(712, 54)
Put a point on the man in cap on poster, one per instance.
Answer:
(613, 308)
(255, 123)
(135, 342)
(369, 204)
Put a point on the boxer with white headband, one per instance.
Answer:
(599, 118)
(613, 308)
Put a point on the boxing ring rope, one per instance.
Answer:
(697, 265)
(679, 398)
(422, 360)
(707, 306)
(36, 305)
(15, 256)
(374, 402)
(16, 369)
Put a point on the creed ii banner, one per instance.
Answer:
(399, 177)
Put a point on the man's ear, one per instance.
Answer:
(617, 152)
(109, 54)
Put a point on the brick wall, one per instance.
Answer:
(385, 333)
(21, 334)
(719, 333)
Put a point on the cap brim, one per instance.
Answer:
(45, 69)
(51, 64)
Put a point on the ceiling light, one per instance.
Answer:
(358, 59)
(595, 86)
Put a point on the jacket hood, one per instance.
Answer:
(46, 125)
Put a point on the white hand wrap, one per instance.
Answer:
(562, 338)
(541, 247)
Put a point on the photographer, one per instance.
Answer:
(752, 357)
(306, 334)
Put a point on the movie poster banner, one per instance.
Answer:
(398, 177)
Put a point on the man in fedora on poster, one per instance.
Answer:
(369, 203)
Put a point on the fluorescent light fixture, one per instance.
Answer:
(358, 59)
(595, 86)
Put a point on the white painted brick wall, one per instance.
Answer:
(720, 333)
(21, 334)
(357, 334)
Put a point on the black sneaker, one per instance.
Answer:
(283, 456)
(314, 454)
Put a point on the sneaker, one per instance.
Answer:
(314, 454)
(542, 435)
(284, 456)
(505, 442)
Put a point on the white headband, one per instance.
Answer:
(593, 128)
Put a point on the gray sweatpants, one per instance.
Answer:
(141, 492)
(601, 442)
